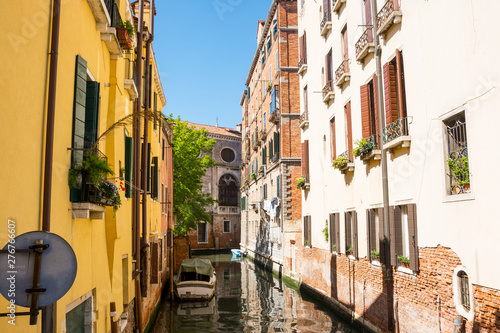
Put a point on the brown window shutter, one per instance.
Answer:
(334, 144)
(348, 234)
(310, 232)
(392, 235)
(401, 84)
(375, 104)
(354, 217)
(369, 232)
(337, 231)
(381, 235)
(306, 230)
(328, 69)
(332, 237)
(349, 129)
(365, 110)
(305, 158)
(390, 89)
(301, 47)
(413, 236)
(153, 279)
(398, 232)
(304, 47)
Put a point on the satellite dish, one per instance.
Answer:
(57, 270)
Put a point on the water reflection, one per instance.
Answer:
(248, 299)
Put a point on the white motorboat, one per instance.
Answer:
(195, 280)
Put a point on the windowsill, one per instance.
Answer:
(376, 263)
(351, 257)
(459, 197)
(335, 253)
(405, 270)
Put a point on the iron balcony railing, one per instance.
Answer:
(396, 129)
(341, 70)
(302, 61)
(328, 88)
(347, 156)
(385, 12)
(327, 17)
(113, 12)
(374, 140)
(366, 37)
(131, 72)
(458, 159)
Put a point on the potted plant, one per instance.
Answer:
(340, 162)
(93, 168)
(364, 147)
(459, 169)
(306, 243)
(375, 255)
(404, 261)
(253, 176)
(325, 231)
(110, 194)
(349, 251)
(334, 248)
(300, 182)
(125, 31)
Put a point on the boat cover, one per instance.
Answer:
(200, 266)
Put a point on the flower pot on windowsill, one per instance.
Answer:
(124, 38)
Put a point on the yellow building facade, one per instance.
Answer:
(95, 98)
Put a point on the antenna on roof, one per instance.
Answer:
(217, 122)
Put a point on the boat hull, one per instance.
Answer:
(188, 291)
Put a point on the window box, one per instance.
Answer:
(343, 163)
(388, 16)
(342, 74)
(328, 93)
(337, 4)
(364, 46)
(88, 210)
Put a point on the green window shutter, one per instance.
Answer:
(154, 178)
(80, 92)
(271, 152)
(276, 142)
(243, 203)
(91, 113)
(148, 168)
(129, 163)
(278, 186)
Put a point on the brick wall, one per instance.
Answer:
(416, 306)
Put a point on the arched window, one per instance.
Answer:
(463, 293)
(228, 191)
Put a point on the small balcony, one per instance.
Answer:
(364, 45)
(388, 16)
(342, 74)
(396, 134)
(328, 93)
(307, 182)
(304, 120)
(107, 17)
(375, 152)
(131, 81)
(275, 117)
(336, 5)
(326, 24)
(303, 65)
(263, 134)
(275, 158)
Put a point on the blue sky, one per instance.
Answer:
(204, 49)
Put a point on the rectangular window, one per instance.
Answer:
(306, 106)
(348, 129)
(307, 231)
(345, 49)
(278, 186)
(265, 192)
(403, 235)
(276, 66)
(328, 69)
(227, 226)
(457, 160)
(270, 73)
(153, 278)
(351, 233)
(375, 227)
(202, 233)
(303, 49)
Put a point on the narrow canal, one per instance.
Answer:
(249, 299)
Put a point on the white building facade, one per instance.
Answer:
(440, 96)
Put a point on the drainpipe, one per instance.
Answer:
(47, 311)
(385, 183)
(136, 192)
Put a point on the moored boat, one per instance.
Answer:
(195, 280)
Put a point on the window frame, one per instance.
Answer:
(205, 241)
(457, 293)
(228, 223)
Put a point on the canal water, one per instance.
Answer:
(249, 299)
